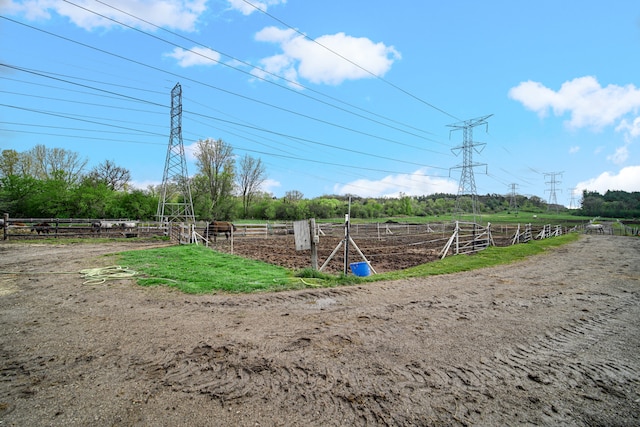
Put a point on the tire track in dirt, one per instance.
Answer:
(290, 377)
(553, 361)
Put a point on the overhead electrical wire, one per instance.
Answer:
(254, 151)
(350, 166)
(257, 77)
(50, 98)
(263, 11)
(406, 92)
(55, 114)
(214, 118)
(291, 82)
(309, 117)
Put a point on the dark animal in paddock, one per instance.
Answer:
(216, 227)
(43, 227)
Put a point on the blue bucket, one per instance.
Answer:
(360, 269)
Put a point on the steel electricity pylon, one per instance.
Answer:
(513, 201)
(572, 202)
(552, 182)
(467, 184)
(175, 204)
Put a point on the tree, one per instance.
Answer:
(15, 163)
(55, 163)
(293, 196)
(9, 163)
(115, 177)
(215, 163)
(251, 175)
(16, 195)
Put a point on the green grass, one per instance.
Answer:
(489, 257)
(197, 269)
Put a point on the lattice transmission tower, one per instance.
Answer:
(552, 182)
(175, 204)
(467, 184)
(572, 202)
(513, 202)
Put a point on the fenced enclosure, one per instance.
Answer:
(387, 245)
(53, 228)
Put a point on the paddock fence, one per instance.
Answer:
(47, 228)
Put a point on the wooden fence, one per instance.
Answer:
(35, 228)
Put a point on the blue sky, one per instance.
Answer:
(336, 96)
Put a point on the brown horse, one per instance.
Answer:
(43, 227)
(216, 227)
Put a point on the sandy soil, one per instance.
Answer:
(554, 340)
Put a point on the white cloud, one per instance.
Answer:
(246, 9)
(176, 14)
(632, 130)
(270, 185)
(144, 185)
(627, 179)
(620, 155)
(194, 56)
(190, 151)
(317, 62)
(574, 149)
(414, 184)
(589, 104)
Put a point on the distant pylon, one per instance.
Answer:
(513, 202)
(572, 202)
(175, 204)
(467, 184)
(553, 200)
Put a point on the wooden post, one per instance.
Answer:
(6, 225)
(346, 244)
(314, 243)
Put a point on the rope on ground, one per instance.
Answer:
(96, 276)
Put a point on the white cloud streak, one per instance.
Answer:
(316, 61)
(588, 103)
(195, 56)
(175, 14)
(627, 179)
(246, 8)
(413, 184)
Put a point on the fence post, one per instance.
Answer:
(314, 244)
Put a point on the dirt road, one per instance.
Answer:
(554, 340)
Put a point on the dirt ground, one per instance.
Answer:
(554, 340)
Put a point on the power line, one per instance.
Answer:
(289, 111)
(40, 74)
(351, 61)
(253, 75)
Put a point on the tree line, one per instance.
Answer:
(55, 183)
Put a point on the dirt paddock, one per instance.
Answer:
(554, 340)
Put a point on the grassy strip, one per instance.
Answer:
(489, 257)
(197, 269)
